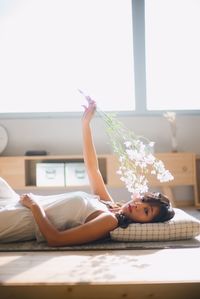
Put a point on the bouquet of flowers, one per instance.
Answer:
(135, 154)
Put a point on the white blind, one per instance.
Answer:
(50, 48)
(172, 30)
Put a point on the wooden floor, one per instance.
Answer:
(156, 274)
(167, 273)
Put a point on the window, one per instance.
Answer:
(172, 54)
(50, 48)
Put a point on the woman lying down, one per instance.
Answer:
(76, 217)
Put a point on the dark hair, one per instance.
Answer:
(123, 221)
(166, 211)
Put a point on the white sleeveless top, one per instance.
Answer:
(63, 210)
(69, 209)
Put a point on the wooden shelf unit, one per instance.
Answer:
(182, 165)
(20, 171)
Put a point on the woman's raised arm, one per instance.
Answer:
(89, 152)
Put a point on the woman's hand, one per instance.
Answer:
(90, 109)
(27, 201)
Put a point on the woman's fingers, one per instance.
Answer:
(26, 200)
(90, 101)
(88, 98)
(91, 104)
(23, 197)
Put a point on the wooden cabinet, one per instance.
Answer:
(183, 168)
(20, 171)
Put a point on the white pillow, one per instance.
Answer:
(181, 226)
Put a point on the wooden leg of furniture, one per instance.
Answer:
(196, 199)
(169, 193)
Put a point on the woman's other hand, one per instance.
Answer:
(27, 201)
(90, 109)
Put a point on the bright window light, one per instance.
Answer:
(51, 48)
(172, 54)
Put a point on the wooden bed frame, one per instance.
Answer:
(165, 273)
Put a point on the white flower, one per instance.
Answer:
(128, 144)
(134, 155)
(119, 172)
(150, 159)
(165, 176)
(170, 116)
(151, 144)
(121, 159)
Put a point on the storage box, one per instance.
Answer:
(75, 174)
(50, 174)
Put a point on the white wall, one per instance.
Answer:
(63, 136)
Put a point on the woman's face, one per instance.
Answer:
(139, 211)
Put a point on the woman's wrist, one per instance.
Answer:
(85, 122)
(33, 205)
